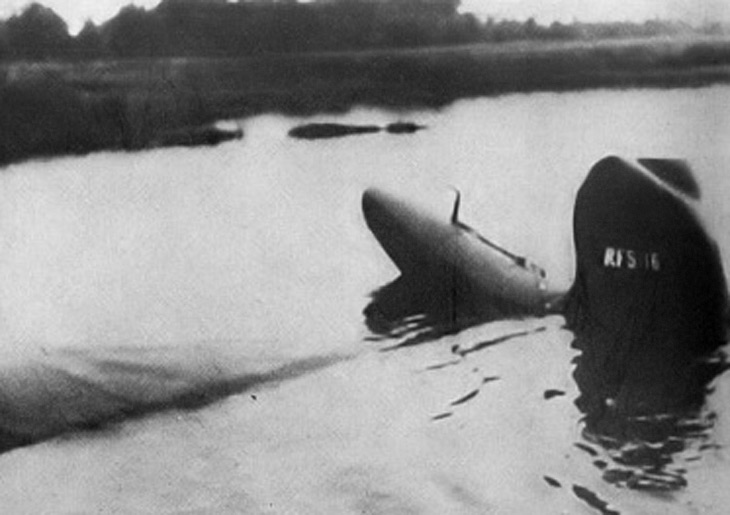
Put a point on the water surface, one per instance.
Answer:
(149, 277)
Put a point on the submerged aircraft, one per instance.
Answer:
(639, 243)
(649, 293)
(647, 306)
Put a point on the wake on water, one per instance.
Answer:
(55, 391)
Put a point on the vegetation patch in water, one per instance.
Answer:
(330, 130)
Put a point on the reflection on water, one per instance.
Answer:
(656, 423)
(418, 309)
(648, 424)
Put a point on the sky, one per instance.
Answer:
(76, 12)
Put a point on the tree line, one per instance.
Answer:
(180, 28)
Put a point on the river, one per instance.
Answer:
(210, 303)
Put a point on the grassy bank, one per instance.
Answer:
(54, 108)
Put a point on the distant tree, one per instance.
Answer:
(88, 42)
(507, 30)
(245, 27)
(665, 28)
(37, 33)
(4, 46)
(465, 28)
(530, 29)
(558, 30)
(715, 29)
(134, 32)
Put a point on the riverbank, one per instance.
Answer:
(54, 108)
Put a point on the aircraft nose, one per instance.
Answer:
(375, 204)
(371, 199)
